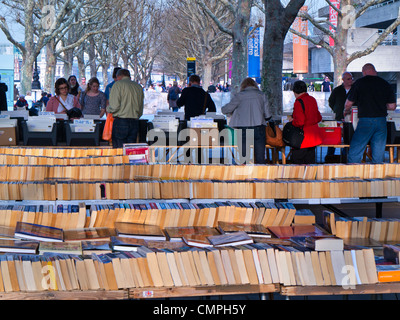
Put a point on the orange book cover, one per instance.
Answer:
(388, 273)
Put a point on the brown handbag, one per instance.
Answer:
(273, 136)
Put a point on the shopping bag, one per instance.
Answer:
(107, 132)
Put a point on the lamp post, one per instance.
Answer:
(36, 87)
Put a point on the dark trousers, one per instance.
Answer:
(258, 143)
(303, 156)
(124, 131)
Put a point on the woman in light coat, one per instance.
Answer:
(248, 110)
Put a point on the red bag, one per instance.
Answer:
(107, 132)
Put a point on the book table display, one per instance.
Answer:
(93, 203)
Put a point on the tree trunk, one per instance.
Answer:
(207, 72)
(239, 49)
(92, 58)
(104, 69)
(340, 61)
(68, 62)
(81, 65)
(27, 73)
(51, 62)
(277, 23)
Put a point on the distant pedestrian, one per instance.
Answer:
(172, 97)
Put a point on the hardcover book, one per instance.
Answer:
(195, 233)
(18, 246)
(139, 231)
(253, 230)
(38, 232)
(60, 247)
(287, 232)
(230, 239)
(88, 234)
(126, 244)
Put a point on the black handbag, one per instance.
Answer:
(73, 113)
(291, 135)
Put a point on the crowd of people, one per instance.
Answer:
(247, 110)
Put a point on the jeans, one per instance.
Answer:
(124, 131)
(259, 143)
(374, 131)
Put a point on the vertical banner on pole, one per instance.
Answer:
(254, 67)
(300, 45)
(191, 67)
(333, 19)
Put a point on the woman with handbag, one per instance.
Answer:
(62, 101)
(249, 110)
(306, 116)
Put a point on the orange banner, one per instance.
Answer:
(300, 45)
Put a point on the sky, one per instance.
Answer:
(18, 34)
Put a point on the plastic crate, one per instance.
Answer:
(331, 135)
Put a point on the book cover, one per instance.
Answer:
(139, 231)
(177, 233)
(388, 273)
(18, 246)
(253, 230)
(60, 247)
(126, 244)
(287, 232)
(101, 233)
(230, 239)
(32, 231)
(98, 247)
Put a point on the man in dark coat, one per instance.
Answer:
(195, 99)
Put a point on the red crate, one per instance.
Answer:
(331, 135)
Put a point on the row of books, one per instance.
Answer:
(117, 168)
(22, 160)
(146, 268)
(211, 172)
(379, 229)
(60, 152)
(62, 189)
(162, 214)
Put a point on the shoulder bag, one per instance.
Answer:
(73, 113)
(273, 135)
(291, 135)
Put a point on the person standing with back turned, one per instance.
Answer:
(195, 99)
(126, 106)
(373, 96)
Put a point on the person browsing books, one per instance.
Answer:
(62, 99)
(307, 119)
(248, 111)
(126, 106)
(373, 97)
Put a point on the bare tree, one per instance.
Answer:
(239, 31)
(44, 21)
(348, 12)
(193, 33)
